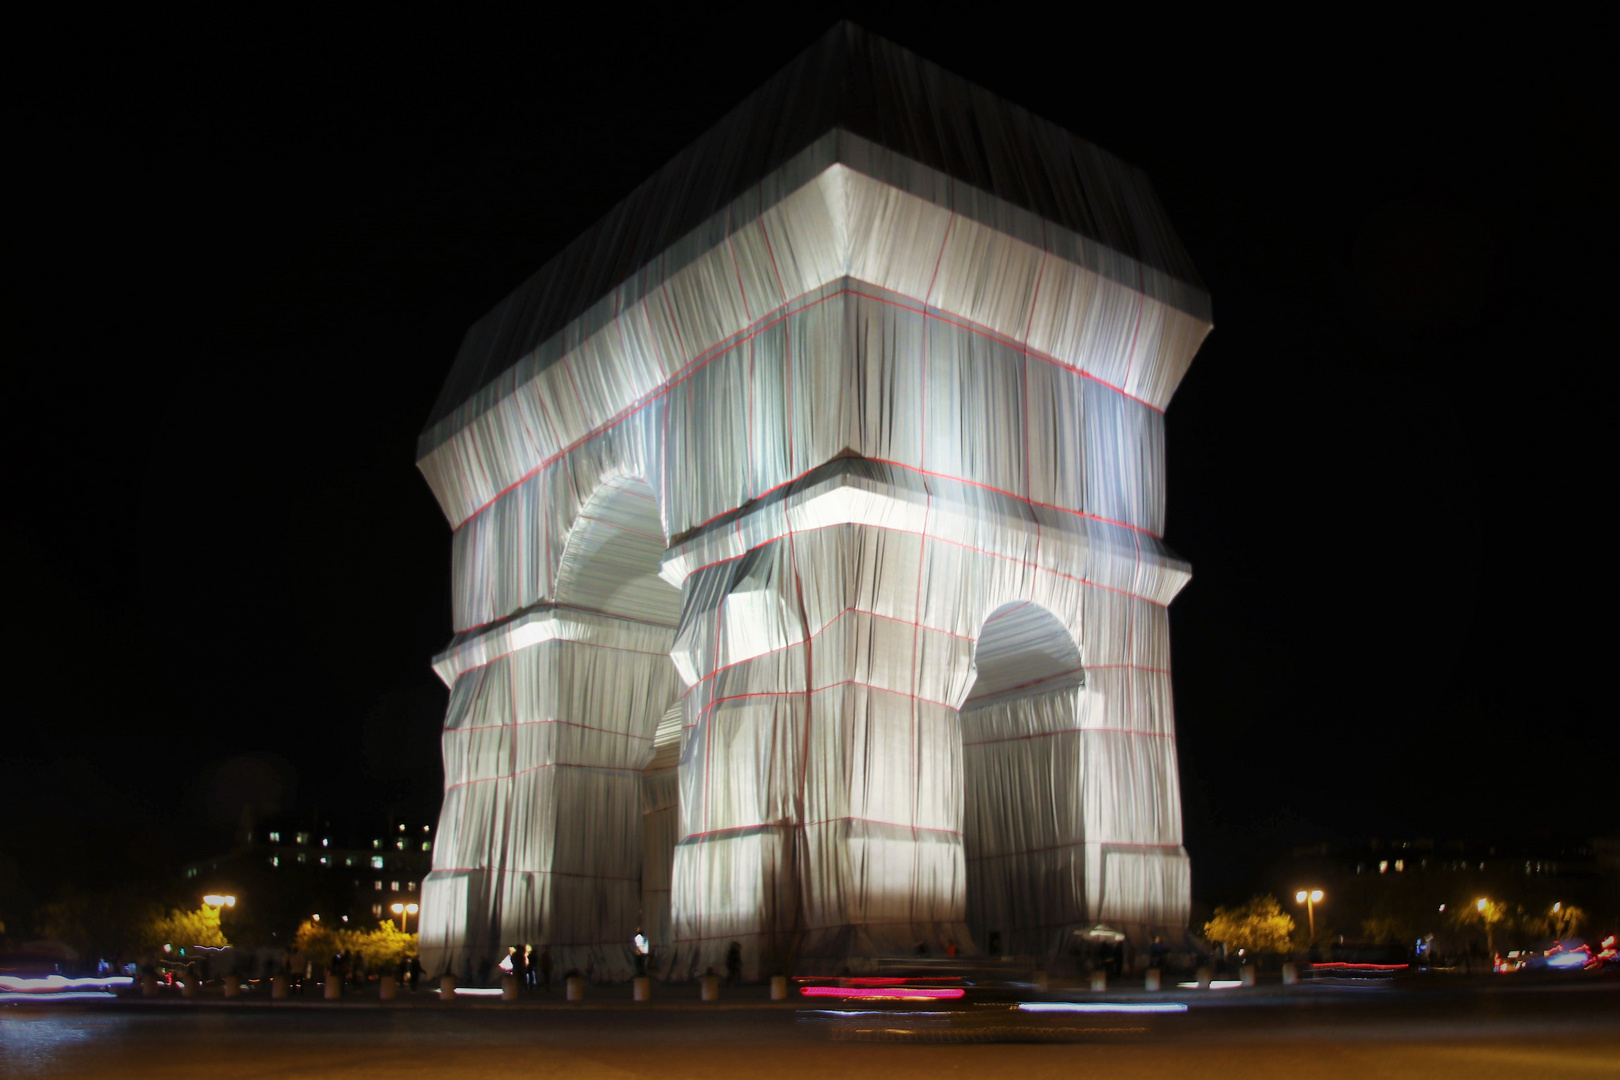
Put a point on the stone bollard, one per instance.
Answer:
(709, 988)
(1246, 975)
(386, 988)
(1153, 980)
(1042, 981)
(148, 986)
(1290, 974)
(188, 986)
(447, 987)
(334, 986)
(779, 988)
(576, 988)
(278, 988)
(1205, 977)
(641, 989)
(233, 986)
(509, 987)
(1099, 982)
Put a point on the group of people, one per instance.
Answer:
(533, 969)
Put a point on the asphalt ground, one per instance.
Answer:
(1478, 1031)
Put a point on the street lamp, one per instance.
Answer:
(1310, 899)
(1490, 915)
(216, 900)
(404, 911)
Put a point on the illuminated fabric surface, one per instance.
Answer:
(808, 580)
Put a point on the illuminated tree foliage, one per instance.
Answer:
(1485, 913)
(1563, 921)
(382, 948)
(185, 928)
(1260, 926)
(385, 947)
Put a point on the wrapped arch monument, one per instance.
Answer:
(808, 584)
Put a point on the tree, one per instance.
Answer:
(1563, 920)
(1388, 930)
(185, 928)
(318, 943)
(1485, 913)
(96, 925)
(1259, 926)
(383, 948)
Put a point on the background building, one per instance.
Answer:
(1401, 890)
(285, 870)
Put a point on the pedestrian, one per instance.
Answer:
(528, 967)
(638, 947)
(545, 968)
(734, 964)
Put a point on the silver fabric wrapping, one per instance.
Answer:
(855, 492)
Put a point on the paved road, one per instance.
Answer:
(1523, 1032)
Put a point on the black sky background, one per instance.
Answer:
(244, 248)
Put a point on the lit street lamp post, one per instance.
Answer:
(1310, 900)
(1489, 914)
(404, 911)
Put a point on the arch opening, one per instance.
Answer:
(610, 564)
(1022, 807)
(1023, 649)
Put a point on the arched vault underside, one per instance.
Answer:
(808, 580)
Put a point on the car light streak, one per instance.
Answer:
(905, 993)
(874, 1012)
(66, 995)
(55, 984)
(1100, 1007)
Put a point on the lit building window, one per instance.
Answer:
(376, 843)
(427, 845)
(376, 909)
(424, 828)
(394, 885)
(1400, 865)
(301, 838)
(275, 860)
(377, 886)
(275, 838)
(323, 860)
(348, 860)
(302, 858)
(325, 842)
(402, 828)
(376, 862)
(410, 886)
(399, 845)
(1383, 866)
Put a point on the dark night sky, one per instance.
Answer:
(244, 253)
